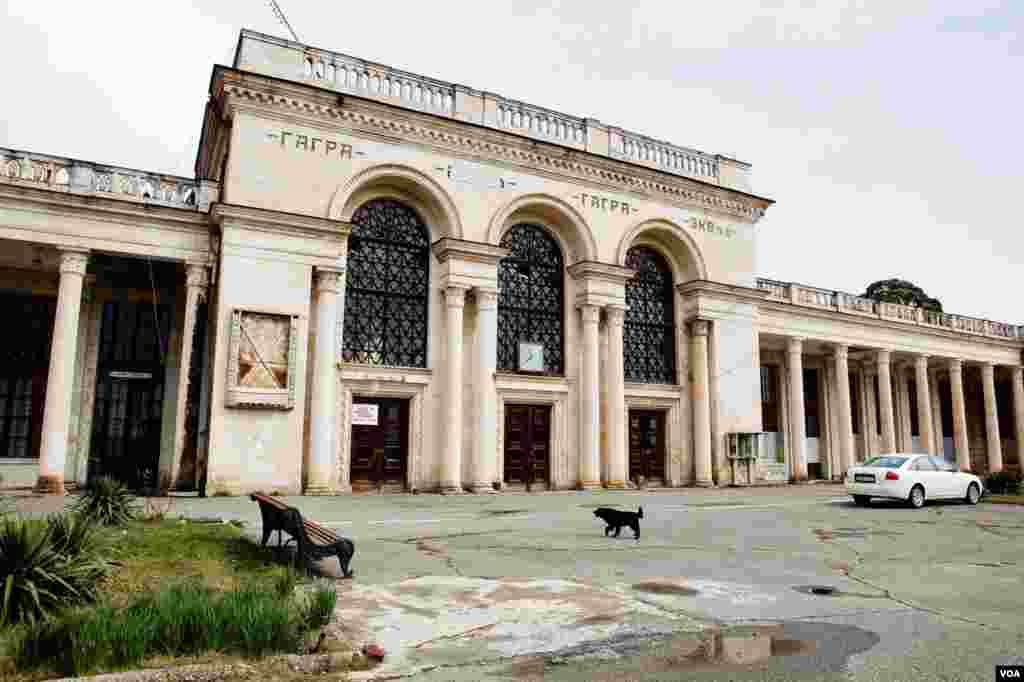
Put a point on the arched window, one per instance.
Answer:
(649, 336)
(530, 302)
(387, 284)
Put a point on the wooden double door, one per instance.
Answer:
(380, 450)
(527, 445)
(646, 445)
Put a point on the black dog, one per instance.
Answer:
(616, 518)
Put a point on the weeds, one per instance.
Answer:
(320, 603)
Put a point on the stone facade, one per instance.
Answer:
(258, 389)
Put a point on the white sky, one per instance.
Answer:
(889, 131)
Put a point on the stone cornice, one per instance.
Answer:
(56, 202)
(461, 249)
(587, 269)
(731, 292)
(893, 325)
(242, 90)
(277, 221)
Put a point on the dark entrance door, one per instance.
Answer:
(24, 365)
(379, 451)
(527, 438)
(129, 394)
(646, 445)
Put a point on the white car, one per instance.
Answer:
(914, 478)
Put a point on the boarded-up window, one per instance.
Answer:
(770, 398)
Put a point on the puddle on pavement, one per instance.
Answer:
(800, 648)
(826, 534)
(832, 591)
(503, 512)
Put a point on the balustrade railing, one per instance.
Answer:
(362, 78)
(844, 302)
(668, 157)
(537, 121)
(80, 177)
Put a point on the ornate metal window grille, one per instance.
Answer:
(531, 298)
(649, 334)
(387, 286)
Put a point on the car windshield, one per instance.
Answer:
(886, 462)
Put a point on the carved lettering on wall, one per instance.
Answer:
(474, 176)
(313, 145)
(711, 227)
(597, 203)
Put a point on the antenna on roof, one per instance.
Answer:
(280, 17)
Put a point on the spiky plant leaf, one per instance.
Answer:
(108, 502)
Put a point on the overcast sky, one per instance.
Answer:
(889, 132)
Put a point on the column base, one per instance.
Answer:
(615, 485)
(50, 485)
(704, 484)
(482, 488)
(589, 485)
(451, 489)
(318, 490)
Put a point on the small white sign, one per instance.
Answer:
(364, 414)
(131, 375)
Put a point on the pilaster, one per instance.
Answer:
(618, 458)
(323, 413)
(701, 400)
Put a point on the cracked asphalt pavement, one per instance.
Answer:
(526, 586)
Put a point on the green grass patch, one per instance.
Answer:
(186, 619)
(150, 554)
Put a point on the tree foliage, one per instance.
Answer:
(903, 292)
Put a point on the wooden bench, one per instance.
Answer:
(313, 541)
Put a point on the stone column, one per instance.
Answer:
(590, 401)
(885, 403)
(197, 280)
(798, 418)
(618, 463)
(994, 446)
(451, 456)
(57, 407)
(924, 404)
(845, 412)
(323, 408)
(937, 434)
(486, 453)
(700, 397)
(869, 423)
(1018, 412)
(960, 440)
(905, 434)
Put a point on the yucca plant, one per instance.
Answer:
(108, 502)
(36, 580)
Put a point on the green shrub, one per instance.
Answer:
(108, 502)
(320, 603)
(39, 572)
(184, 619)
(1003, 482)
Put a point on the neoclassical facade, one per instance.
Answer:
(379, 281)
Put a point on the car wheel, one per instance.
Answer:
(916, 497)
(861, 500)
(973, 494)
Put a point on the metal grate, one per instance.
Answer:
(649, 333)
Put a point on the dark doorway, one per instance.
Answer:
(646, 445)
(24, 366)
(379, 443)
(128, 414)
(527, 445)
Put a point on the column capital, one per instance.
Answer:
(454, 296)
(921, 360)
(699, 327)
(840, 350)
(327, 280)
(616, 315)
(73, 262)
(1018, 372)
(883, 356)
(197, 275)
(956, 365)
(486, 299)
(591, 313)
(794, 345)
